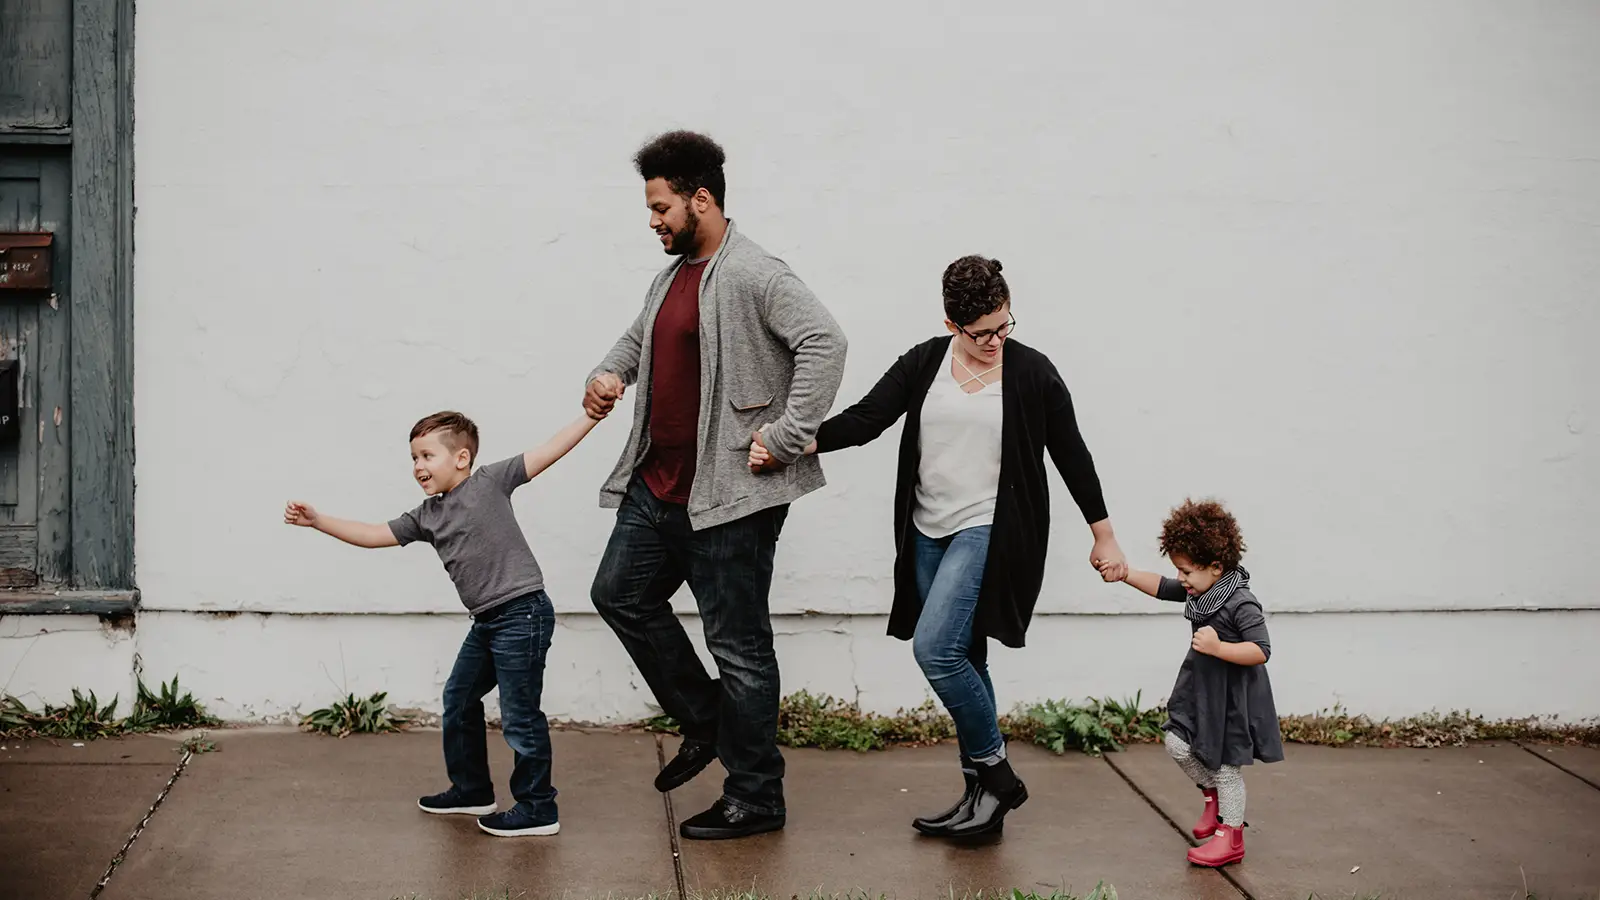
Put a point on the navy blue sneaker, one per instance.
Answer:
(518, 822)
(454, 802)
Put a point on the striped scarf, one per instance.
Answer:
(1198, 609)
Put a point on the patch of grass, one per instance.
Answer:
(85, 719)
(1102, 891)
(167, 710)
(1094, 728)
(660, 725)
(369, 715)
(197, 743)
(1336, 727)
(806, 720)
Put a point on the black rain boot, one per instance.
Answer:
(999, 792)
(935, 825)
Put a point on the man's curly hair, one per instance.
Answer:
(1203, 532)
(973, 288)
(687, 160)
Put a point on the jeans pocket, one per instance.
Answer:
(520, 639)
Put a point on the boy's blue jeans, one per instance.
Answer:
(506, 647)
(949, 579)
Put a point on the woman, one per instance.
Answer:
(972, 513)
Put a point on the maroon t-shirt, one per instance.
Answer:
(668, 469)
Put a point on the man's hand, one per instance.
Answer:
(602, 396)
(1205, 641)
(301, 514)
(761, 459)
(1107, 559)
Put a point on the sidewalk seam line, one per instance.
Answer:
(672, 826)
(122, 854)
(1538, 756)
(1188, 839)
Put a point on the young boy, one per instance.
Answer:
(467, 517)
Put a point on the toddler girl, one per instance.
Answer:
(1220, 715)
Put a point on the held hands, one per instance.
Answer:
(1107, 559)
(1205, 641)
(302, 514)
(602, 395)
(761, 459)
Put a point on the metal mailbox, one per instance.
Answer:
(10, 408)
(25, 260)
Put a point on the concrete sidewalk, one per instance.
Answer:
(277, 814)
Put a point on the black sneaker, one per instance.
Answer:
(723, 821)
(515, 822)
(692, 759)
(454, 802)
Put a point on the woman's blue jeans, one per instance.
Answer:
(949, 579)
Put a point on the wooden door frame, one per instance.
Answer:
(100, 355)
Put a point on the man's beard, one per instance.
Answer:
(682, 243)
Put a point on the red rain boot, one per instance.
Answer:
(1207, 826)
(1227, 846)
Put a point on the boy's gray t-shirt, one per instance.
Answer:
(477, 536)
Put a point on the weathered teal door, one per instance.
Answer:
(35, 465)
(66, 431)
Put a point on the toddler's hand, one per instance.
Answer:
(1109, 572)
(1205, 641)
(301, 514)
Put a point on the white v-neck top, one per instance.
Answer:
(958, 477)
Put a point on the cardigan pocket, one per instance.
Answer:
(749, 414)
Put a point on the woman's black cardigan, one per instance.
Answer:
(1037, 416)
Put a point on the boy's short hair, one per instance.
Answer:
(1205, 533)
(973, 288)
(455, 430)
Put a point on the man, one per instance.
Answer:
(730, 342)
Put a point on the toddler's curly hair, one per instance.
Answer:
(1204, 532)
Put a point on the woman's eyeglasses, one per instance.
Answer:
(982, 337)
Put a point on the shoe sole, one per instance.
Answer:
(672, 785)
(718, 834)
(535, 831)
(458, 810)
(1216, 865)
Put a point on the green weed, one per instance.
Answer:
(370, 715)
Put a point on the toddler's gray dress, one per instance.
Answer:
(1223, 711)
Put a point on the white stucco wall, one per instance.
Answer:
(1334, 263)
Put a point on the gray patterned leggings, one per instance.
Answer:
(1228, 781)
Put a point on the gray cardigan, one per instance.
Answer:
(771, 356)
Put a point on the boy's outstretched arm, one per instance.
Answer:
(545, 455)
(1149, 582)
(361, 534)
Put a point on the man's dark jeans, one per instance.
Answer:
(507, 647)
(652, 553)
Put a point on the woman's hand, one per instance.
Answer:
(761, 459)
(1205, 641)
(1107, 559)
